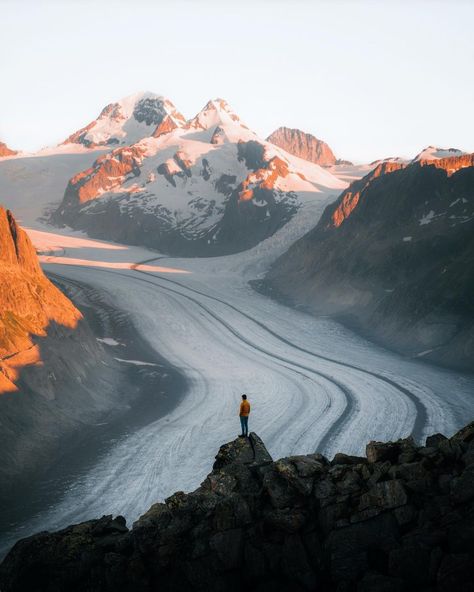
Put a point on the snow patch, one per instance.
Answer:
(135, 362)
(109, 341)
(427, 218)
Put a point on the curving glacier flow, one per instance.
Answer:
(312, 384)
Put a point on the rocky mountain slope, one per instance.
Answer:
(393, 256)
(127, 121)
(6, 151)
(205, 186)
(303, 145)
(29, 301)
(399, 519)
(50, 363)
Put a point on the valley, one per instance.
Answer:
(314, 385)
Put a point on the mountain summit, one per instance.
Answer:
(206, 186)
(127, 121)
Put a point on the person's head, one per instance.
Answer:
(244, 397)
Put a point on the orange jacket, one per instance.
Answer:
(244, 409)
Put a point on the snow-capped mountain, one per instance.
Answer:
(303, 145)
(207, 185)
(435, 153)
(127, 121)
(6, 151)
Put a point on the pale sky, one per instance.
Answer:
(373, 79)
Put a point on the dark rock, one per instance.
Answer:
(345, 459)
(465, 434)
(405, 515)
(387, 494)
(287, 520)
(455, 573)
(348, 548)
(461, 534)
(299, 523)
(382, 451)
(468, 457)
(411, 563)
(373, 582)
(295, 563)
(228, 546)
(242, 450)
(462, 488)
(434, 440)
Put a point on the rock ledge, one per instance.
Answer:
(400, 519)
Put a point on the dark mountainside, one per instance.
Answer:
(401, 519)
(303, 145)
(393, 257)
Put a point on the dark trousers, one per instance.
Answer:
(244, 422)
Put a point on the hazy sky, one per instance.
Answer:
(373, 79)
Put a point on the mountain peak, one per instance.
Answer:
(127, 121)
(215, 112)
(302, 145)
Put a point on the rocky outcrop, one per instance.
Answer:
(29, 302)
(303, 145)
(107, 172)
(400, 519)
(393, 257)
(6, 151)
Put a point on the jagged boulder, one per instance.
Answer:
(242, 450)
(299, 523)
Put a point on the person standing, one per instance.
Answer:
(244, 413)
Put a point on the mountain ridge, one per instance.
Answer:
(206, 186)
(391, 258)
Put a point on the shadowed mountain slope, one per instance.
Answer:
(393, 256)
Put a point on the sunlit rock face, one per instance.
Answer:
(202, 187)
(450, 164)
(393, 256)
(29, 302)
(54, 375)
(6, 151)
(350, 198)
(303, 145)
